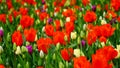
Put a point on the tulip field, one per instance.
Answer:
(59, 33)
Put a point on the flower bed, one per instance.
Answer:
(59, 34)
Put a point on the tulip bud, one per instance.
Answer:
(77, 52)
(51, 15)
(65, 38)
(80, 14)
(57, 46)
(81, 53)
(23, 56)
(1, 49)
(18, 51)
(37, 21)
(20, 28)
(24, 49)
(66, 64)
(40, 61)
(61, 65)
(54, 56)
(14, 46)
(82, 34)
(27, 43)
(41, 54)
(34, 47)
(43, 29)
(84, 27)
(8, 37)
(27, 65)
(78, 40)
(44, 21)
(61, 23)
(19, 65)
(73, 35)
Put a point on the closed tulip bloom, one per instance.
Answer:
(41, 54)
(1, 33)
(30, 49)
(93, 8)
(50, 20)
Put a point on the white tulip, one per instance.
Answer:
(104, 14)
(55, 13)
(66, 38)
(41, 54)
(73, 35)
(118, 47)
(68, 19)
(103, 44)
(1, 28)
(118, 55)
(77, 52)
(103, 21)
(100, 17)
(118, 50)
(18, 51)
(64, 10)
